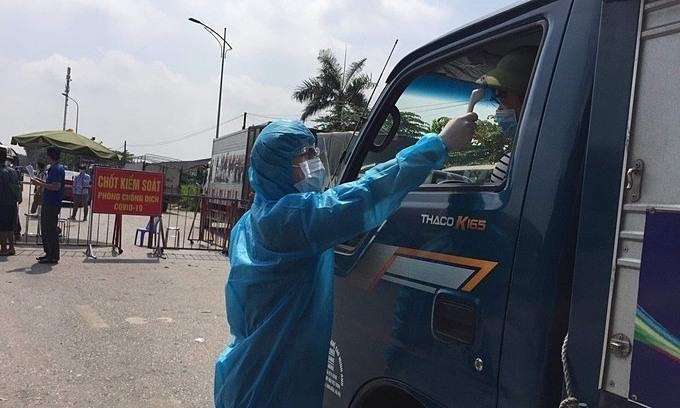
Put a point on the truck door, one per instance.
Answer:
(420, 302)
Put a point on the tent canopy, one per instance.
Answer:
(66, 141)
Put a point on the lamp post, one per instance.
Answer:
(77, 109)
(221, 39)
(65, 93)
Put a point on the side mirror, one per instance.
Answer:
(385, 136)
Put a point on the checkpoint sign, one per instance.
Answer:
(130, 192)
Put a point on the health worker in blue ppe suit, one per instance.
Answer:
(279, 293)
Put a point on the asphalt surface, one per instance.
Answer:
(119, 331)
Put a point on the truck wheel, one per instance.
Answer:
(387, 396)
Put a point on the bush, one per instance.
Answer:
(190, 197)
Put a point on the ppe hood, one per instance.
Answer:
(271, 171)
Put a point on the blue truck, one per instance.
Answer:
(558, 284)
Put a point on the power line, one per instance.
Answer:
(434, 106)
(429, 105)
(274, 116)
(186, 136)
(435, 109)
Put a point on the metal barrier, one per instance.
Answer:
(201, 222)
(189, 222)
(72, 232)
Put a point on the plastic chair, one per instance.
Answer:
(151, 228)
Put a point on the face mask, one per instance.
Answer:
(314, 176)
(506, 119)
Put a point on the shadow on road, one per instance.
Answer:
(123, 261)
(35, 269)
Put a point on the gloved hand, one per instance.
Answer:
(457, 133)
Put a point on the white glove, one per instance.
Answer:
(457, 133)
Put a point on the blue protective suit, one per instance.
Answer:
(279, 293)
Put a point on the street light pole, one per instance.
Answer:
(219, 99)
(223, 47)
(77, 109)
(65, 93)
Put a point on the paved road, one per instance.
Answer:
(127, 331)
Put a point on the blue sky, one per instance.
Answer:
(142, 72)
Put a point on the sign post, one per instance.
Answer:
(127, 192)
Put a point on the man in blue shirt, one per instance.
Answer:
(81, 192)
(53, 193)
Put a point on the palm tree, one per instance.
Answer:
(339, 92)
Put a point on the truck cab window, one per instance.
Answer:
(502, 71)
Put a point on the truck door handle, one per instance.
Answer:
(634, 180)
(453, 318)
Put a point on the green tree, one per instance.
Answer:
(487, 147)
(412, 124)
(125, 157)
(438, 124)
(336, 91)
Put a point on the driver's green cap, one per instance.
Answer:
(512, 72)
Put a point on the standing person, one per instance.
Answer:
(11, 163)
(81, 192)
(53, 193)
(37, 191)
(279, 293)
(9, 197)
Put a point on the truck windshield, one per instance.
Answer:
(425, 106)
(431, 97)
(442, 90)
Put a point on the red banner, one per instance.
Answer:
(132, 192)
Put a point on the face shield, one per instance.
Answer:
(312, 173)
